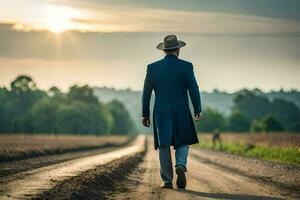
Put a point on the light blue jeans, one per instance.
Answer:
(165, 159)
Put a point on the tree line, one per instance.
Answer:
(253, 112)
(26, 109)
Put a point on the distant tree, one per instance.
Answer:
(251, 105)
(24, 108)
(257, 126)
(56, 95)
(295, 127)
(255, 106)
(84, 93)
(23, 84)
(286, 111)
(3, 93)
(238, 122)
(22, 96)
(123, 123)
(3, 100)
(271, 123)
(54, 91)
(82, 118)
(212, 119)
(44, 116)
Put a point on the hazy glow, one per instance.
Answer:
(58, 19)
(54, 18)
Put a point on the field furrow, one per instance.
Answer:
(35, 181)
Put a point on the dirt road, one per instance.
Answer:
(132, 172)
(206, 180)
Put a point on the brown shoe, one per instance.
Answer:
(181, 180)
(166, 185)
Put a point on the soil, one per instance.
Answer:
(31, 183)
(18, 147)
(12, 167)
(135, 175)
(282, 175)
(208, 180)
(13, 170)
(99, 183)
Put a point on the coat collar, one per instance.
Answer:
(171, 56)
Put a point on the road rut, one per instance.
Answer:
(38, 180)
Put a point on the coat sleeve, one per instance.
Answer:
(194, 90)
(146, 96)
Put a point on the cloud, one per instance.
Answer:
(133, 19)
(74, 45)
(285, 9)
(105, 17)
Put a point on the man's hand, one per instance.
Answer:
(146, 121)
(198, 116)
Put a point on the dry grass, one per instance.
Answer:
(19, 146)
(277, 140)
(279, 147)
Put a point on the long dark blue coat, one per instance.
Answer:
(171, 79)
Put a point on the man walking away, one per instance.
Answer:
(172, 79)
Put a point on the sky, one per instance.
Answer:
(232, 44)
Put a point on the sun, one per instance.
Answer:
(58, 19)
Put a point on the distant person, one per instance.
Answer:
(171, 79)
(216, 138)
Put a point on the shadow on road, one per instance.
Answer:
(228, 196)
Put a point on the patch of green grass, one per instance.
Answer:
(282, 155)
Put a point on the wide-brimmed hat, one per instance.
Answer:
(170, 42)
